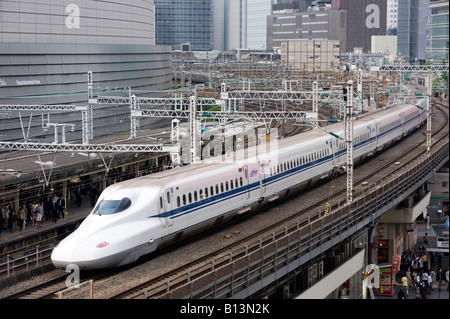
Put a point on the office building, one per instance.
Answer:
(437, 32)
(411, 30)
(257, 12)
(229, 24)
(365, 19)
(309, 25)
(181, 22)
(310, 55)
(392, 15)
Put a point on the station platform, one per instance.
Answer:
(74, 214)
(435, 229)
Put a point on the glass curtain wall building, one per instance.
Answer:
(229, 24)
(437, 31)
(184, 21)
(257, 12)
(411, 29)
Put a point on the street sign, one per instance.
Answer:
(442, 242)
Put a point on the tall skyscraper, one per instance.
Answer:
(392, 14)
(184, 21)
(411, 31)
(229, 24)
(365, 19)
(257, 12)
(437, 31)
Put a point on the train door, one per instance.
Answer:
(164, 207)
(247, 180)
(371, 144)
(262, 175)
(168, 206)
(375, 133)
(332, 145)
(161, 211)
(402, 120)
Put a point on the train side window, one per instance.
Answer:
(231, 184)
(195, 196)
(160, 202)
(221, 187)
(217, 189)
(168, 197)
(184, 199)
(236, 182)
(242, 182)
(206, 192)
(212, 191)
(178, 201)
(190, 198)
(200, 193)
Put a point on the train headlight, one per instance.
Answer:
(102, 244)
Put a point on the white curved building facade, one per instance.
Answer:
(47, 48)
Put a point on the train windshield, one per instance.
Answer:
(109, 207)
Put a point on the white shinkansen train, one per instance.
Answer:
(138, 216)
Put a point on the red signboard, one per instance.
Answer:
(395, 264)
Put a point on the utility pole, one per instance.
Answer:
(360, 90)
(194, 142)
(315, 107)
(429, 94)
(348, 119)
(90, 110)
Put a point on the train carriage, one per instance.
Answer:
(138, 216)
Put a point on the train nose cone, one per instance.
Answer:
(86, 254)
(65, 254)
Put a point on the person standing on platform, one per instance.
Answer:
(54, 209)
(48, 209)
(62, 206)
(5, 213)
(78, 196)
(40, 215)
(430, 283)
(13, 221)
(423, 290)
(408, 276)
(405, 285)
(401, 293)
(22, 216)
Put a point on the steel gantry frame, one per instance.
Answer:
(414, 68)
(180, 107)
(348, 120)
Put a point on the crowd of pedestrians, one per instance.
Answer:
(32, 213)
(415, 276)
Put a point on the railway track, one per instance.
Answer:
(157, 285)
